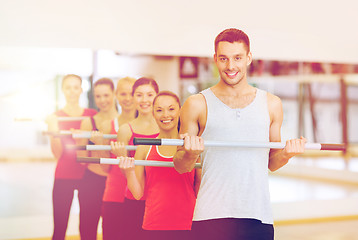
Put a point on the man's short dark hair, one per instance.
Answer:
(232, 35)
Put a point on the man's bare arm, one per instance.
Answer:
(191, 114)
(279, 157)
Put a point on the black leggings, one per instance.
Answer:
(123, 221)
(167, 235)
(232, 229)
(90, 192)
(114, 221)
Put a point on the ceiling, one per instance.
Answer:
(306, 30)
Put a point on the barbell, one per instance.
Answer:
(180, 142)
(272, 145)
(98, 147)
(60, 119)
(115, 161)
(83, 134)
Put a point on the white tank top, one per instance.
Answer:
(235, 180)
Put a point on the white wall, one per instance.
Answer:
(312, 30)
(165, 70)
(28, 88)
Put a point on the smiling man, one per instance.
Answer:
(233, 200)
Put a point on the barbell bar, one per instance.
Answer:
(61, 133)
(97, 147)
(87, 135)
(272, 145)
(60, 119)
(84, 134)
(115, 161)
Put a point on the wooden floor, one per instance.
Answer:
(332, 230)
(67, 238)
(309, 201)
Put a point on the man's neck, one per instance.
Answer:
(241, 88)
(234, 96)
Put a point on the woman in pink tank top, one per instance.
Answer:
(68, 173)
(170, 196)
(143, 92)
(116, 183)
(95, 178)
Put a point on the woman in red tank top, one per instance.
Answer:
(116, 183)
(143, 92)
(170, 196)
(68, 173)
(104, 98)
(95, 178)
